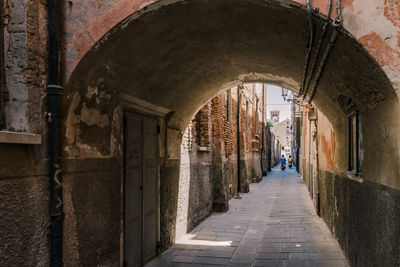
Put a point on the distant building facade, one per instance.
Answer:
(274, 116)
(283, 132)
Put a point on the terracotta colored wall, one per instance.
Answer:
(88, 21)
(326, 144)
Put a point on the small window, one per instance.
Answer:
(354, 142)
(350, 108)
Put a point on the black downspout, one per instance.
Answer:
(238, 136)
(2, 71)
(53, 93)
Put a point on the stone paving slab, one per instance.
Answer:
(273, 225)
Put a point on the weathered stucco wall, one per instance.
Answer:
(374, 23)
(93, 175)
(326, 144)
(195, 199)
(363, 216)
(92, 206)
(24, 221)
(24, 202)
(361, 213)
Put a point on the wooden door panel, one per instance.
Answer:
(150, 188)
(133, 190)
(141, 189)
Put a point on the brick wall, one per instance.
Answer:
(209, 155)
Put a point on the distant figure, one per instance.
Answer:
(290, 160)
(283, 163)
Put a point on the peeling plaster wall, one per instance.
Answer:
(93, 172)
(87, 22)
(376, 25)
(326, 144)
(91, 113)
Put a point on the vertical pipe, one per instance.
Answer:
(309, 45)
(2, 72)
(238, 137)
(318, 203)
(262, 133)
(53, 94)
(144, 148)
(293, 129)
(309, 156)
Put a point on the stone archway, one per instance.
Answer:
(170, 59)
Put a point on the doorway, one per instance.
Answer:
(140, 189)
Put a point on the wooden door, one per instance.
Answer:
(140, 189)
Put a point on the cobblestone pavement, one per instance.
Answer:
(273, 225)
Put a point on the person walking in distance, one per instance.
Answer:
(283, 163)
(290, 161)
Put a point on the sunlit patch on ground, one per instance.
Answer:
(190, 239)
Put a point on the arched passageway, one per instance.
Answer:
(170, 59)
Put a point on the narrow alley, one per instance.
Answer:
(137, 132)
(273, 225)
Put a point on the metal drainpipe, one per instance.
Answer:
(262, 131)
(2, 98)
(317, 168)
(338, 24)
(309, 45)
(53, 94)
(238, 137)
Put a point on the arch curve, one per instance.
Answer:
(192, 46)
